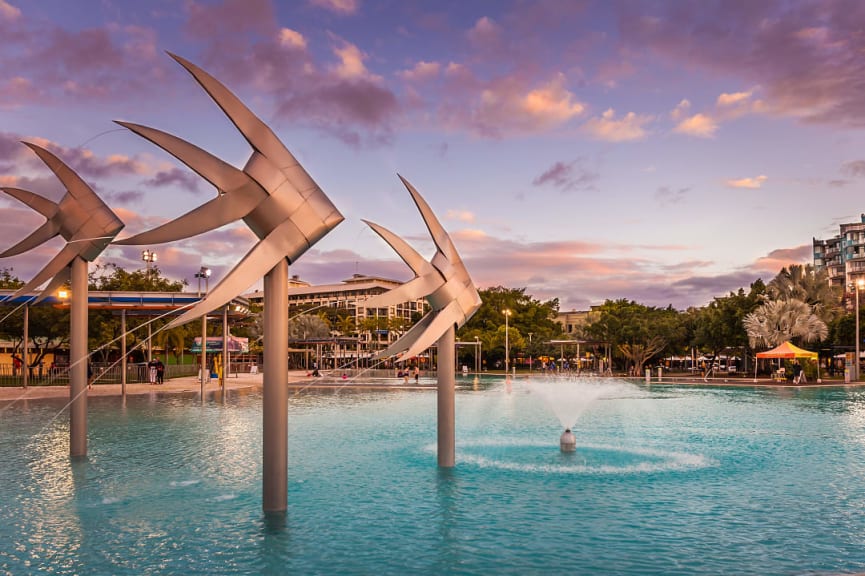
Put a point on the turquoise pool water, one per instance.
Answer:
(666, 480)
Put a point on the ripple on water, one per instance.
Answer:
(546, 458)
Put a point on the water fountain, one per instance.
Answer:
(569, 398)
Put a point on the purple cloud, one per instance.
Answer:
(175, 176)
(804, 55)
(568, 176)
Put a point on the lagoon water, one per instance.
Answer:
(665, 480)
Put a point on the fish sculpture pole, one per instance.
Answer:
(287, 211)
(453, 299)
(88, 226)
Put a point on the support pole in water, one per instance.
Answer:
(446, 393)
(78, 359)
(25, 357)
(275, 391)
(123, 353)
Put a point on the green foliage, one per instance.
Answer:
(109, 277)
(8, 281)
(531, 325)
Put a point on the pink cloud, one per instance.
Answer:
(343, 7)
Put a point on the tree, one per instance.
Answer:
(803, 283)
(719, 325)
(528, 315)
(777, 321)
(635, 329)
(638, 354)
(48, 326)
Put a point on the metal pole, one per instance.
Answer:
(123, 353)
(224, 346)
(446, 402)
(275, 391)
(507, 350)
(205, 372)
(856, 360)
(78, 360)
(149, 340)
(25, 357)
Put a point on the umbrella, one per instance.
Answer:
(787, 350)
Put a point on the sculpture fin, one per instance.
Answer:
(241, 193)
(46, 232)
(59, 280)
(443, 319)
(254, 265)
(409, 255)
(440, 237)
(42, 205)
(257, 133)
(418, 287)
(406, 340)
(75, 186)
(55, 266)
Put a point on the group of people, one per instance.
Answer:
(404, 374)
(156, 371)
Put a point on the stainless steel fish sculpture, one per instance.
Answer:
(443, 281)
(273, 195)
(86, 223)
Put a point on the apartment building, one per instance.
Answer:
(350, 295)
(843, 256)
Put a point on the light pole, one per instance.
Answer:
(204, 272)
(858, 286)
(507, 314)
(149, 257)
(530, 351)
(478, 360)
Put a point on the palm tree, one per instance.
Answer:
(812, 287)
(777, 321)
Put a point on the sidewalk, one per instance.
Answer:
(175, 385)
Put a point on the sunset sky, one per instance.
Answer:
(665, 152)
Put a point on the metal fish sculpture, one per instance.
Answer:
(443, 281)
(273, 195)
(86, 223)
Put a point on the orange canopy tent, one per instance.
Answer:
(788, 350)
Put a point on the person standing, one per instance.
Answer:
(151, 372)
(160, 371)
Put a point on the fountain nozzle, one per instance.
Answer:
(568, 442)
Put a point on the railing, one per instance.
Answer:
(102, 374)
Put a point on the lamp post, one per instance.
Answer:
(530, 351)
(478, 361)
(204, 272)
(507, 314)
(858, 286)
(149, 257)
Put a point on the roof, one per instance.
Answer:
(787, 350)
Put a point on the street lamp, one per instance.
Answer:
(203, 272)
(507, 314)
(478, 360)
(149, 257)
(859, 284)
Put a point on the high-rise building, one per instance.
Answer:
(843, 256)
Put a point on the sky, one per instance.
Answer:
(662, 152)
